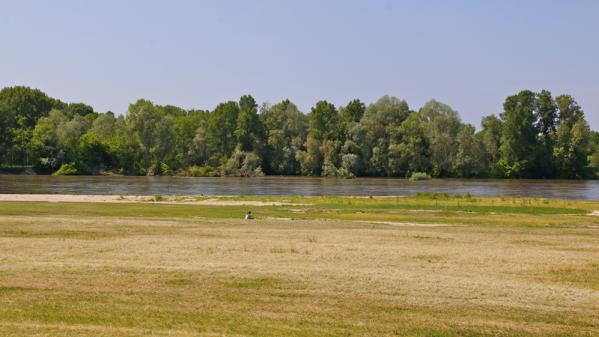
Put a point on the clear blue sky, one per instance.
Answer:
(469, 54)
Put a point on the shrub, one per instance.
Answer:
(165, 169)
(329, 169)
(258, 172)
(344, 173)
(417, 176)
(67, 169)
(202, 171)
(193, 171)
(251, 165)
(350, 162)
(242, 164)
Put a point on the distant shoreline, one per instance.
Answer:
(4, 172)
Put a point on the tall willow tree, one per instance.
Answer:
(442, 125)
(286, 130)
(381, 120)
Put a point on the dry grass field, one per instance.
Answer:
(423, 266)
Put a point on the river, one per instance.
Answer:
(306, 186)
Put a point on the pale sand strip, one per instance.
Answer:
(139, 198)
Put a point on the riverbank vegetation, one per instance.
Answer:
(427, 265)
(537, 136)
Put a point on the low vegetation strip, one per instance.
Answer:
(293, 207)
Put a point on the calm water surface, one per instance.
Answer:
(585, 189)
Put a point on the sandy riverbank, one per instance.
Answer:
(139, 198)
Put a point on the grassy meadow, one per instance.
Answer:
(428, 265)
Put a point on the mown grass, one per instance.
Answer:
(326, 266)
(584, 276)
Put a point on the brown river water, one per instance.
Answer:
(301, 186)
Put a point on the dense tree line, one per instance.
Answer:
(536, 136)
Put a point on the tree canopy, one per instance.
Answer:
(536, 136)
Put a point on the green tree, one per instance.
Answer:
(381, 120)
(324, 122)
(222, 124)
(325, 137)
(7, 123)
(187, 128)
(21, 109)
(93, 154)
(409, 150)
(78, 109)
(573, 140)
(104, 126)
(545, 122)
(311, 160)
(491, 140)
(249, 130)
(469, 160)
(155, 132)
(286, 129)
(519, 135)
(442, 125)
(353, 111)
(27, 104)
(45, 147)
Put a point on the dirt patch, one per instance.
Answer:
(70, 198)
(218, 202)
(298, 210)
(405, 224)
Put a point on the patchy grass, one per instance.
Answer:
(340, 267)
(586, 276)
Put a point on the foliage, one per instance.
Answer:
(67, 169)
(536, 136)
(417, 176)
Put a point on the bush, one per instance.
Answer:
(329, 169)
(350, 162)
(251, 165)
(242, 164)
(258, 172)
(344, 173)
(193, 171)
(165, 169)
(417, 176)
(202, 171)
(67, 169)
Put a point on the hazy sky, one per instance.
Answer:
(194, 54)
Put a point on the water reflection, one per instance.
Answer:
(585, 189)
